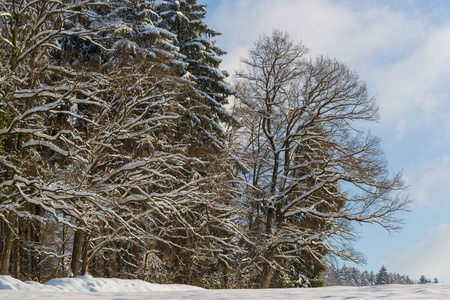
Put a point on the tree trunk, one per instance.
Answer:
(267, 274)
(16, 270)
(85, 256)
(9, 240)
(63, 251)
(190, 259)
(76, 252)
(35, 235)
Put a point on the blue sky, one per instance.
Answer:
(402, 50)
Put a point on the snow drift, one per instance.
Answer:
(89, 288)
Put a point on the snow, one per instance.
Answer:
(87, 287)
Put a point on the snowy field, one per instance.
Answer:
(86, 287)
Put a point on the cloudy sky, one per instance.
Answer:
(401, 48)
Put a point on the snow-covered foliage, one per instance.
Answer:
(185, 19)
(95, 168)
(352, 276)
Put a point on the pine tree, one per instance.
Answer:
(201, 127)
(365, 279)
(382, 276)
(185, 19)
(424, 280)
(182, 215)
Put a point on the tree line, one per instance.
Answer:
(352, 276)
(125, 152)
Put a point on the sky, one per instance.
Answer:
(401, 49)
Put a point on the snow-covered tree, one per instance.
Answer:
(365, 279)
(174, 203)
(303, 153)
(93, 143)
(382, 276)
(185, 19)
(204, 111)
(37, 97)
(424, 280)
(352, 276)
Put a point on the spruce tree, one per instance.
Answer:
(424, 280)
(185, 19)
(382, 276)
(201, 127)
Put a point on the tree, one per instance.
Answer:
(93, 157)
(204, 111)
(382, 277)
(424, 280)
(310, 172)
(352, 276)
(164, 201)
(365, 279)
(185, 19)
(36, 96)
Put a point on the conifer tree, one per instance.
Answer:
(204, 111)
(382, 276)
(142, 58)
(424, 280)
(185, 19)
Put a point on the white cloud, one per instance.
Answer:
(428, 183)
(429, 258)
(404, 57)
(414, 89)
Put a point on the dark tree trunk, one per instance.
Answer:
(76, 252)
(85, 255)
(8, 245)
(267, 274)
(35, 235)
(16, 270)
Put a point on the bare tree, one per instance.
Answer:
(310, 172)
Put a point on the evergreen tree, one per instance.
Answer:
(424, 280)
(372, 278)
(179, 221)
(185, 19)
(365, 279)
(382, 276)
(351, 276)
(201, 127)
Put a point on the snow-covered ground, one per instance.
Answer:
(89, 288)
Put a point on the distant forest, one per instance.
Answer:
(352, 276)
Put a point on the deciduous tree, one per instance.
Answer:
(311, 172)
